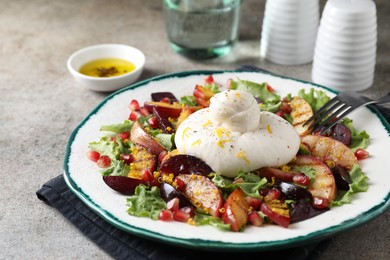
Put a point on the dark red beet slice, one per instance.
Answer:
(122, 184)
(185, 164)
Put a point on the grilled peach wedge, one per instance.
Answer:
(202, 193)
(324, 185)
(236, 210)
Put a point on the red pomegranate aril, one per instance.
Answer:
(189, 210)
(162, 155)
(209, 79)
(173, 204)
(180, 184)
(280, 113)
(166, 100)
(273, 194)
(165, 215)
(134, 105)
(147, 176)
(301, 179)
(93, 155)
(133, 116)
(104, 161)
(270, 89)
(124, 135)
(286, 108)
(127, 158)
(255, 219)
(144, 111)
(254, 202)
(320, 203)
(181, 216)
(153, 122)
(361, 154)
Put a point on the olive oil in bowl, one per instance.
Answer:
(107, 67)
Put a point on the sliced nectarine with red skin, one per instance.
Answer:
(139, 136)
(143, 161)
(236, 209)
(277, 211)
(202, 193)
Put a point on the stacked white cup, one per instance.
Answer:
(345, 50)
(289, 31)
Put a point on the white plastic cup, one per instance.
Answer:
(289, 31)
(345, 48)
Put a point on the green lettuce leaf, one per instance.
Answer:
(358, 139)
(316, 98)
(203, 219)
(146, 202)
(359, 184)
(118, 128)
(270, 101)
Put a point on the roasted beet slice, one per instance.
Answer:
(303, 209)
(169, 192)
(163, 121)
(159, 96)
(185, 164)
(293, 191)
(122, 184)
(342, 177)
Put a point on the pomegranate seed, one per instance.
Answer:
(161, 156)
(189, 210)
(286, 108)
(127, 158)
(147, 176)
(280, 113)
(134, 105)
(255, 203)
(166, 100)
(104, 161)
(301, 179)
(361, 154)
(153, 122)
(144, 111)
(133, 116)
(181, 216)
(173, 204)
(93, 155)
(320, 203)
(270, 89)
(209, 79)
(255, 219)
(180, 184)
(124, 135)
(273, 194)
(165, 215)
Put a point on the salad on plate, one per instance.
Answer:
(230, 156)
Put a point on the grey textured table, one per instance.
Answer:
(41, 104)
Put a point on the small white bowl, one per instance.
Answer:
(101, 51)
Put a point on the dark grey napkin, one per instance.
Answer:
(122, 245)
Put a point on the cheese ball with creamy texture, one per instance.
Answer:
(232, 135)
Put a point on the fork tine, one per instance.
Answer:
(329, 112)
(331, 102)
(332, 116)
(337, 117)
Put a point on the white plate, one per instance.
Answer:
(83, 178)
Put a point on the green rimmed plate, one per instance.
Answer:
(84, 180)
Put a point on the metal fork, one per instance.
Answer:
(339, 107)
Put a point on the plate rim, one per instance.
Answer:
(203, 244)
